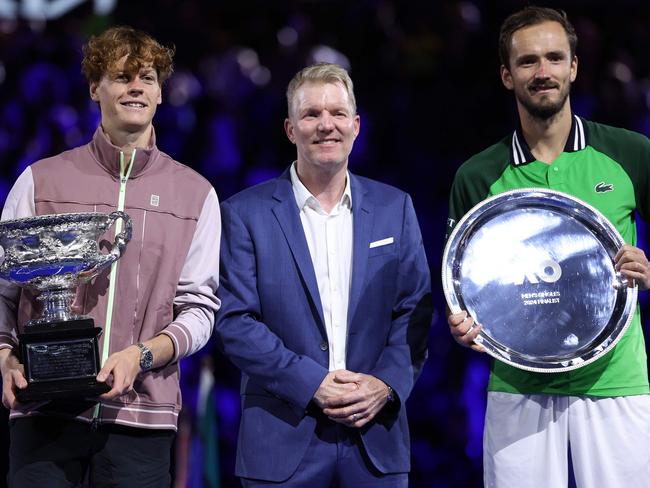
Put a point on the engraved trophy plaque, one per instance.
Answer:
(50, 255)
(535, 268)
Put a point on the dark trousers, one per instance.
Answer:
(52, 452)
(335, 458)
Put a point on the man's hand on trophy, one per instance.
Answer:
(13, 377)
(120, 370)
(464, 330)
(633, 264)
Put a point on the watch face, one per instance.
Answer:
(535, 268)
(391, 395)
(146, 358)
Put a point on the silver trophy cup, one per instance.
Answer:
(50, 255)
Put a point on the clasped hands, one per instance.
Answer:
(351, 399)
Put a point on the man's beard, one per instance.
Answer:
(544, 111)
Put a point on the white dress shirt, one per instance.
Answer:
(329, 237)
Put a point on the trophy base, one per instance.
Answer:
(61, 361)
(62, 389)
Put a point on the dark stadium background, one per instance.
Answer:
(429, 96)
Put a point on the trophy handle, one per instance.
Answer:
(119, 245)
(123, 238)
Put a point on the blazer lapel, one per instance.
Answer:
(362, 225)
(288, 215)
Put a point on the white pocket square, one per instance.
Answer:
(381, 242)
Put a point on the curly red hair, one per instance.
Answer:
(102, 53)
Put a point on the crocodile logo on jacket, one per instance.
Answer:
(603, 187)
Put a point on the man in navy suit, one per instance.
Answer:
(325, 306)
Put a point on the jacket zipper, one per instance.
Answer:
(124, 177)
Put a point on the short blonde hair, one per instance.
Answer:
(321, 73)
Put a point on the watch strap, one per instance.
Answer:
(146, 357)
(391, 395)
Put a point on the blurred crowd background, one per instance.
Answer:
(429, 95)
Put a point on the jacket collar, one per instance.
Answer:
(304, 197)
(288, 214)
(520, 152)
(108, 155)
(284, 189)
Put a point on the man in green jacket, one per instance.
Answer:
(601, 411)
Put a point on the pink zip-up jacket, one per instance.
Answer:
(166, 280)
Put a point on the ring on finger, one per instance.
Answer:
(354, 417)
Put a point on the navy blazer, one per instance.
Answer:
(271, 324)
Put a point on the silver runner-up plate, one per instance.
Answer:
(535, 268)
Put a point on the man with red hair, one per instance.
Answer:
(156, 306)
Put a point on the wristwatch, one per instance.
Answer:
(391, 395)
(146, 357)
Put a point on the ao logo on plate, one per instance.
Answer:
(547, 271)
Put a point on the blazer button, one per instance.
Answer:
(324, 346)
